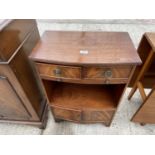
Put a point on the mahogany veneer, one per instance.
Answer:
(85, 73)
(21, 97)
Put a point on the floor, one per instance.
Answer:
(121, 123)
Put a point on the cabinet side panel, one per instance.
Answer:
(23, 69)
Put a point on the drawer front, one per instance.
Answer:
(107, 72)
(97, 116)
(67, 114)
(58, 71)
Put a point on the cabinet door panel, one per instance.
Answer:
(11, 107)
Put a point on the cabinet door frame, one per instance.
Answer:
(16, 94)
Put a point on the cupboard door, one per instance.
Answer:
(11, 106)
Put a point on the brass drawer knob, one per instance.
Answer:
(108, 73)
(57, 72)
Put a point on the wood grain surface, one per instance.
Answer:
(85, 103)
(76, 96)
(93, 69)
(22, 99)
(66, 72)
(13, 36)
(62, 47)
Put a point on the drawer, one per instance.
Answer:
(122, 72)
(58, 71)
(67, 114)
(97, 116)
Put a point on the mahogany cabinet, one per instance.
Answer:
(22, 99)
(85, 73)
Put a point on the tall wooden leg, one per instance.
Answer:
(141, 74)
(132, 92)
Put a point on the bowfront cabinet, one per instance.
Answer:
(85, 73)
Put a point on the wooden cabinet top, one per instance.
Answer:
(13, 34)
(151, 39)
(73, 47)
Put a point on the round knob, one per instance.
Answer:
(57, 72)
(108, 74)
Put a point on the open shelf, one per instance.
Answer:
(84, 96)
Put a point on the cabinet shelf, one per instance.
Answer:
(83, 103)
(85, 96)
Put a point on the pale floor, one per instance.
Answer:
(121, 123)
